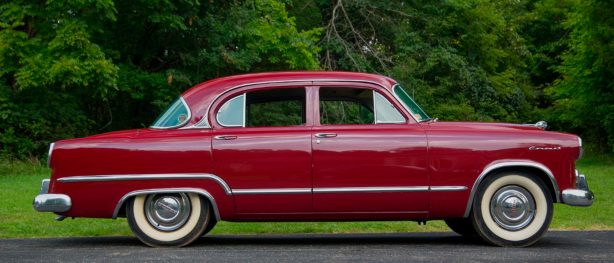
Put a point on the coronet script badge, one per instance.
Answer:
(537, 148)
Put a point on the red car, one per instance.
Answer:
(315, 146)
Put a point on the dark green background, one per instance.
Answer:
(77, 67)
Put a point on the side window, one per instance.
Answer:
(356, 106)
(346, 106)
(232, 113)
(276, 107)
(264, 108)
(176, 115)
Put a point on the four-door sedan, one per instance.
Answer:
(314, 146)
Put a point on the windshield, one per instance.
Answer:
(410, 104)
(176, 115)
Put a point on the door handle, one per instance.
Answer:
(225, 137)
(326, 135)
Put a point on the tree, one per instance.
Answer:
(585, 94)
(71, 68)
(462, 60)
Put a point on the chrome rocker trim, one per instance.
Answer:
(168, 190)
(579, 196)
(511, 163)
(323, 190)
(272, 191)
(369, 189)
(124, 177)
(448, 188)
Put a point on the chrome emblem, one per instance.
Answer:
(538, 148)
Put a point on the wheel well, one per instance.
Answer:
(121, 212)
(532, 171)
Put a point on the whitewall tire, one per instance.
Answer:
(512, 209)
(168, 219)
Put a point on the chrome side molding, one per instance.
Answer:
(272, 191)
(369, 189)
(124, 177)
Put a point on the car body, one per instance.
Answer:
(314, 146)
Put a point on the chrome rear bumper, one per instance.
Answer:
(56, 203)
(579, 196)
(45, 202)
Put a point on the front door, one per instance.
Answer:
(367, 156)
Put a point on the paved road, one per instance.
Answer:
(556, 246)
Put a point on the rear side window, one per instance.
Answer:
(175, 115)
(265, 108)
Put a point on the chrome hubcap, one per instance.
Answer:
(167, 212)
(512, 207)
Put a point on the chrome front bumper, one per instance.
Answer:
(579, 196)
(45, 202)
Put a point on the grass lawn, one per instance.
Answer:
(20, 182)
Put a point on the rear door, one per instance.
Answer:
(262, 148)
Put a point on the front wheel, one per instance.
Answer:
(168, 219)
(512, 209)
(462, 226)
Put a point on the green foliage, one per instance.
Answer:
(72, 68)
(344, 112)
(50, 72)
(585, 94)
(276, 113)
(461, 60)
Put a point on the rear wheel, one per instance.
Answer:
(462, 226)
(168, 219)
(210, 226)
(512, 209)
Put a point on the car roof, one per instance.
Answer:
(200, 96)
(220, 85)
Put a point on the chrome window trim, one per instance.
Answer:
(202, 124)
(511, 163)
(49, 153)
(187, 119)
(217, 114)
(374, 110)
(370, 189)
(244, 110)
(272, 191)
(127, 177)
(448, 188)
(168, 190)
(311, 82)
